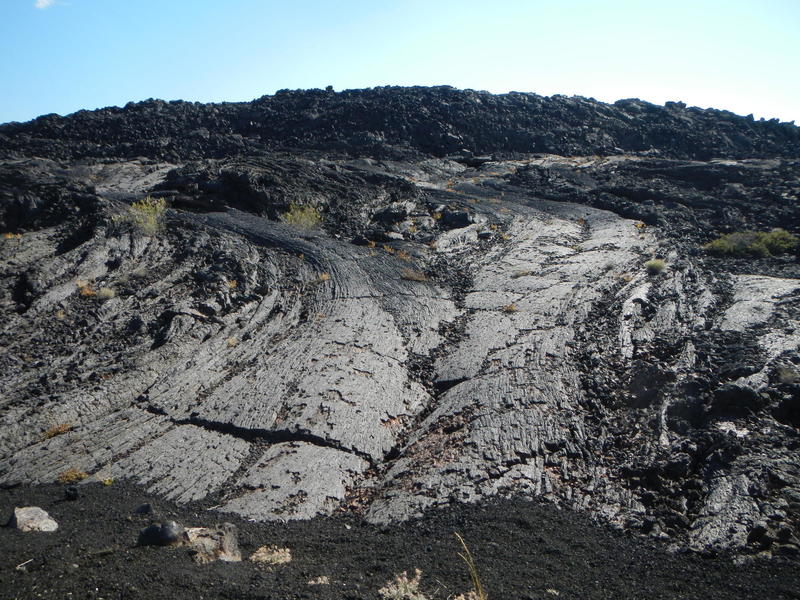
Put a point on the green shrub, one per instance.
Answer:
(304, 217)
(780, 241)
(753, 243)
(146, 215)
(655, 266)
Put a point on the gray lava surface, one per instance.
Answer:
(470, 319)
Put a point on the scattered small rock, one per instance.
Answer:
(144, 509)
(32, 518)
(209, 544)
(272, 555)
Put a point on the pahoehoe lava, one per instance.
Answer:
(471, 318)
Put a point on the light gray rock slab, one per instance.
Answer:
(296, 481)
(32, 518)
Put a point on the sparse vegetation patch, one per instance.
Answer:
(146, 215)
(55, 430)
(403, 588)
(655, 266)
(759, 244)
(72, 475)
(302, 216)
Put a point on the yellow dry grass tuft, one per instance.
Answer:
(302, 217)
(85, 288)
(55, 430)
(146, 215)
(72, 475)
(478, 590)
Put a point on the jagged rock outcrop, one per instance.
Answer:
(471, 317)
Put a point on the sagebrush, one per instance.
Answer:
(302, 216)
(760, 244)
(145, 215)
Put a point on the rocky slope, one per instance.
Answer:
(472, 316)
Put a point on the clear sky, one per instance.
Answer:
(65, 55)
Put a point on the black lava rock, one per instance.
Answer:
(168, 533)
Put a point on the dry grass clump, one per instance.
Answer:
(232, 342)
(272, 555)
(302, 216)
(55, 430)
(322, 278)
(403, 588)
(85, 288)
(106, 293)
(72, 475)
(477, 592)
(510, 308)
(146, 215)
(412, 275)
(655, 266)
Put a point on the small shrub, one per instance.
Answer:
(655, 266)
(85, 288)
(72, 476)
(510, 308)
(780, 241)
(322, 278)
(759, 244)
(146, 215)
(106, 293)
(403, 588)
(412, 275)
(232, 342)
(55, 430)
(302, 216)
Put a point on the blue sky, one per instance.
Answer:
(65, 55)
